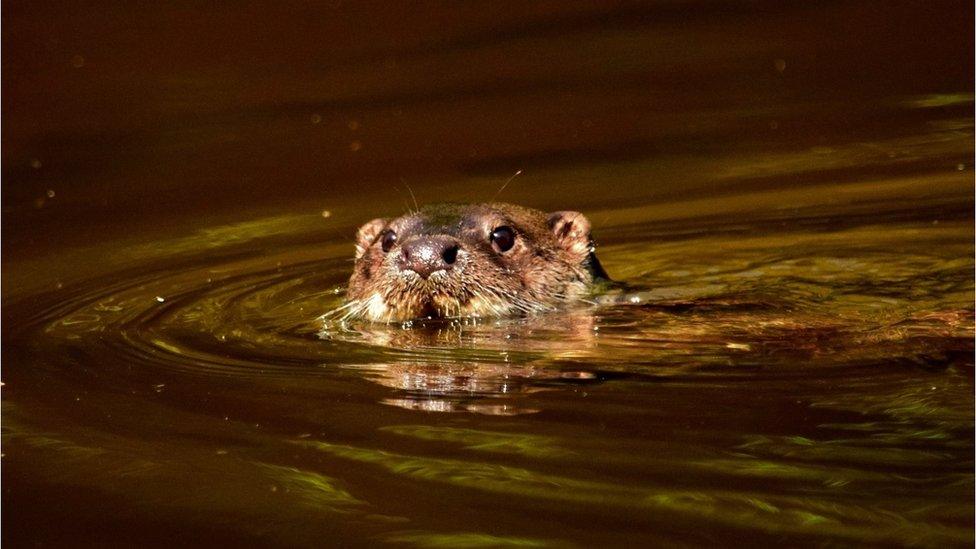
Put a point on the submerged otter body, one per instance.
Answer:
(478, 260)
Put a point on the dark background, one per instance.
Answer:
(116, 112)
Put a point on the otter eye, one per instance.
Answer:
(503, 238)
(389, 239)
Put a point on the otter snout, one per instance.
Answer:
(426, 254)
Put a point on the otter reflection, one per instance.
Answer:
(482, 388)
(477, 366)
(566, 333)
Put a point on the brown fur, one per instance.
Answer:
(551, 262)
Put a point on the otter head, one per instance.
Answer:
(448, 260)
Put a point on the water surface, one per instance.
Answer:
(793, 364)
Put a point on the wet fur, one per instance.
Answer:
(551, 263)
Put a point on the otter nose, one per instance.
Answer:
(425, 255)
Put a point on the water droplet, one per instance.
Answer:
(316, 118)
(77, 61)
(355, 146)
(160, 299)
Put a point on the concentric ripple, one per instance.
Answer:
(785, 386)
(257, 315)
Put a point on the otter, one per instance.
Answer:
(470, 260)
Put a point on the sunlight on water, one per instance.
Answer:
(743, 377)
(785, 356)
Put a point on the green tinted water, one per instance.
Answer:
(787, 191)
(806, 374)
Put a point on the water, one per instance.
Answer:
(791, 364)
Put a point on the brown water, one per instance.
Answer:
(787, 190)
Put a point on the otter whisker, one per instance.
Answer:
(339, 309)
(518, 261)
(415, 205)
(353, 313)
(516, 174)
(494, 302)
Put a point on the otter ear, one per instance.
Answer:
(572, 230)
(367, 235)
